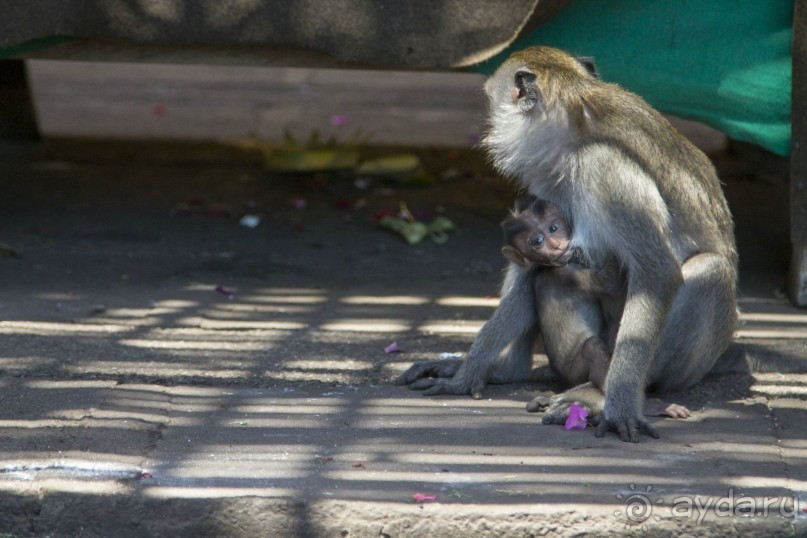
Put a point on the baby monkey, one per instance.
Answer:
(538, 234)
(538, 237)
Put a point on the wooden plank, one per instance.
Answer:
(228, 102)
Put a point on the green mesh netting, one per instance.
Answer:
(726, 63)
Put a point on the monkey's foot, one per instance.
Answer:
(621, 415)
(433, 387)
(427, 369)
(539, 403)
(557, 408)
(653, 407)
(628, 428)
(558, 411)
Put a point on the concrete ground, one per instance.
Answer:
(168, 371)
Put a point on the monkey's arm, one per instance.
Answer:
(514, 316)
(639, 236)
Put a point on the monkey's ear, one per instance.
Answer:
(588, 63)
(529, 95)
(512, 254)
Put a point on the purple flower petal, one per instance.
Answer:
(393, 348)
(226, 291)
(577, 418)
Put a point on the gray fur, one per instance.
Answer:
(639, 192)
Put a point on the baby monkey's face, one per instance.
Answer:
(546, 242)
(541, 236)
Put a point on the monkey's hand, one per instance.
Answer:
(441, 377)
(423, 370)
(626, 422)
(456, 385)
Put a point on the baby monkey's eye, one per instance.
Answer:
(553, 228)
(537, 241)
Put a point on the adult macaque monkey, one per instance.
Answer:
(639, 192)
(580, 302)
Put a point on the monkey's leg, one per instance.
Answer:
(700, 324)
(586, 395)
(512, 320)
(516, 364)
(653, 407)
(571, 323)
(586, 363)
(595, 354)
(596, 357)
(591, 398)
(589, 364)
(698, 328)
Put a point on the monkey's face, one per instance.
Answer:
(544, 240)
(531, 98)
(514, 110)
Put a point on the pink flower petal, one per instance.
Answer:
(577, 418)
(340, 119)
(393, 348)
(226, 291)
(420, 497)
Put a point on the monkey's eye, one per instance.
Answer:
(537, 241)
(553, 228)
